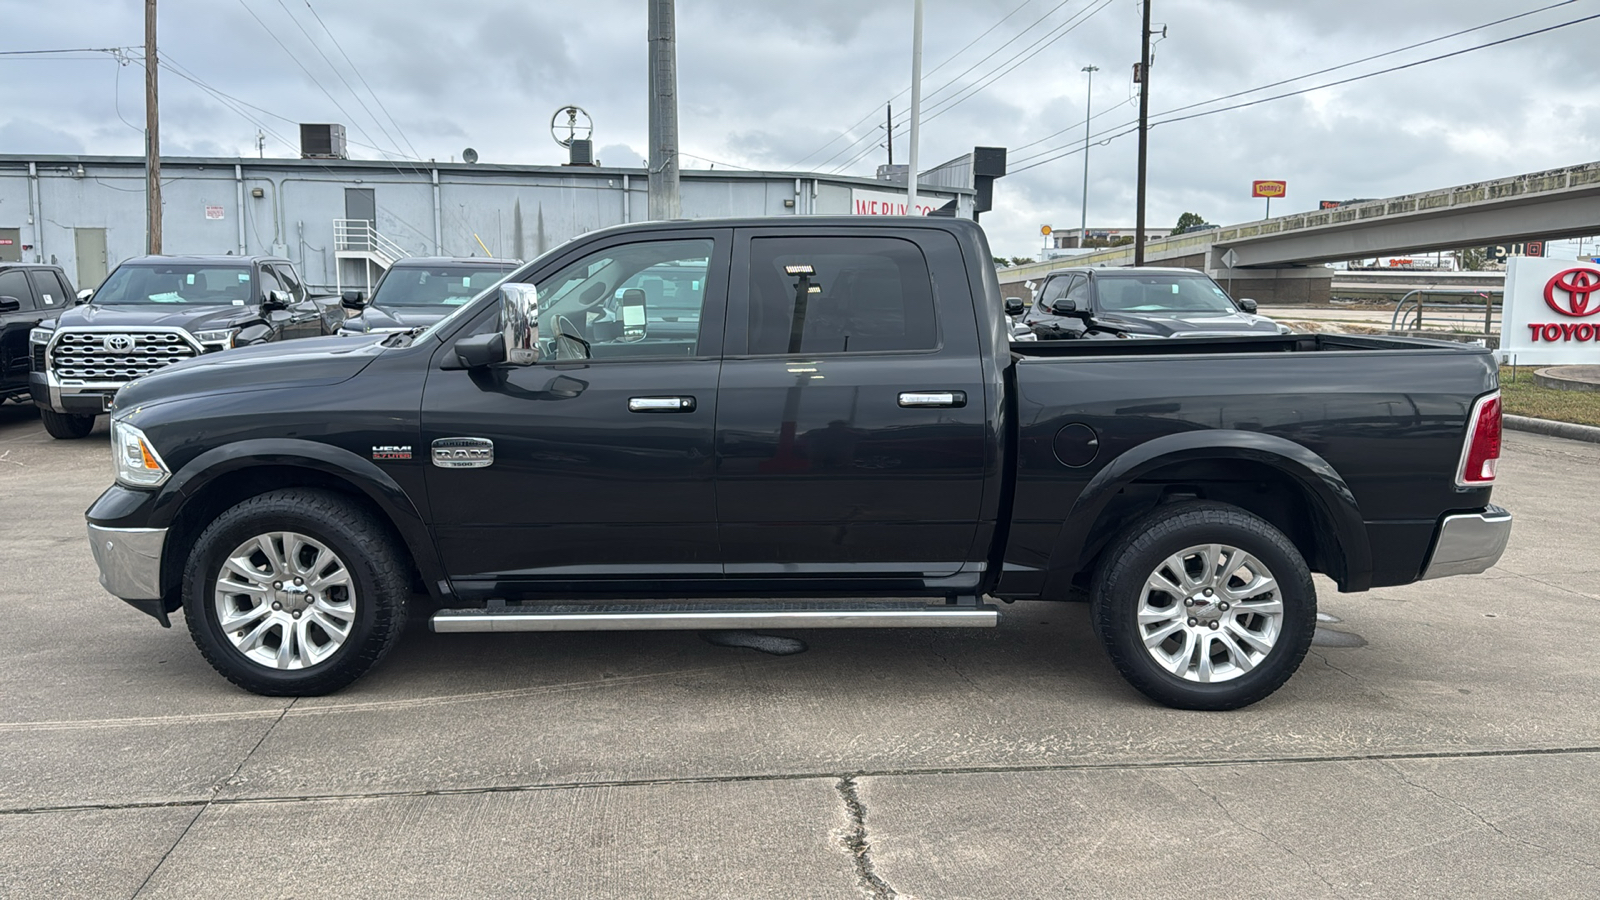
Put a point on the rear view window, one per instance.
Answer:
(838, 295)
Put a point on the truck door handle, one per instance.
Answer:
(660, 404)
(923, 399)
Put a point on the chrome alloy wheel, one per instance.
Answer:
(1210, 613)
(285, 600)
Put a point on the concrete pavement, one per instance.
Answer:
(1442, 738)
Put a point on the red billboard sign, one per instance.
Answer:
(1269, 189)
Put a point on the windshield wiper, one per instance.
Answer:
(403, 338)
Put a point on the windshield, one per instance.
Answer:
(195, 285)
(443, 285)
(1162, 293)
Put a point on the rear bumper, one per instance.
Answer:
(1469, 543)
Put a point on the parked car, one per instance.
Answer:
(835, 429)
(1144, 301)
(153, 311)
(29, 294)
(419, 291)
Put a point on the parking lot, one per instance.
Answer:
(1441, 739)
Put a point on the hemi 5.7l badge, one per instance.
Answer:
(463, 453)
(391, 451)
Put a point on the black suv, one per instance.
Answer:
(153, 311)
(29, 294)
(419, 291)
(1139, 302)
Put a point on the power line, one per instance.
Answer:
(314, 80)
(340, 75)
(904, 118)
(970, 90)
(947, 61)
(112, 50)
(1076, 148)
(363, 78)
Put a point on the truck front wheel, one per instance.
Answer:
(1204, 606)
(295, 592)
(66, 426)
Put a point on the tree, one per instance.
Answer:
(1472, 259)
(1189, 222)
(1000, 262)
(1021, 260)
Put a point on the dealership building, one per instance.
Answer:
(343, 221)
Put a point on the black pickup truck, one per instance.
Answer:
(848, 436)
(155, 310)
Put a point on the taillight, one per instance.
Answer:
(1482, 454)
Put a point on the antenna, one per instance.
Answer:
(579, 128)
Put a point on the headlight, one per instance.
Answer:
(39, 335)
(222, 337)
(136, 462)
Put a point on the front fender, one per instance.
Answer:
(373, 482)
(1333, 506)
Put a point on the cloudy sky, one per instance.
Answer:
(800, 85)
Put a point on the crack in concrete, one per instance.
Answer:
(1333, 667)
(1484, 821)
(855, 841)
(1259, 833)
(932, 771)
(207, 803)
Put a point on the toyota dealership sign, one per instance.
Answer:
(1552, 312)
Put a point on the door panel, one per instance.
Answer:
(822, 468)
(602, 467)
(89, 245)
(10, 245)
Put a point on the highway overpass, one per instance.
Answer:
(1278, 260)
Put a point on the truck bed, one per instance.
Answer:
(1265, 343)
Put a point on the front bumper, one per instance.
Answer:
(1469, 543)
(48, 393)
(129, 560)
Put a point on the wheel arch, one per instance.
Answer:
(1279, 480)
(222, 477)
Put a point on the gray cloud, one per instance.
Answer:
(764, 83)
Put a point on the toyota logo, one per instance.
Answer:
(119, 343)
(1569, 292)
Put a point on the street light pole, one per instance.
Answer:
(1144, 133)
(1088, 100)
(916, 107)
(152, 135)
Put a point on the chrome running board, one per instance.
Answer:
(714, 615)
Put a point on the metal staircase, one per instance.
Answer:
(359, 239)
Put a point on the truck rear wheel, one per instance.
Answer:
(295, 592)
(1204, 606)
(66, 426)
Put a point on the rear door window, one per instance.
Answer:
(839, 295)
(48, 290)
(14, 283)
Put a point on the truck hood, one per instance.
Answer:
(186, 316)
(309, 362)
(1182, 324)
(376, 317)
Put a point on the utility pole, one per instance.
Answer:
(1088, 101)
(152, 134)
(888, 132)
(916, 107)
(1144, 133)
(665, 202)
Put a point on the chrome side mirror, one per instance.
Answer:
(519, 323)
(85, 294)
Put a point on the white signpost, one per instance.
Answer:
(1552, 312)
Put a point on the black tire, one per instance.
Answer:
(1135, 555)
(367, 547)
(66, 426)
